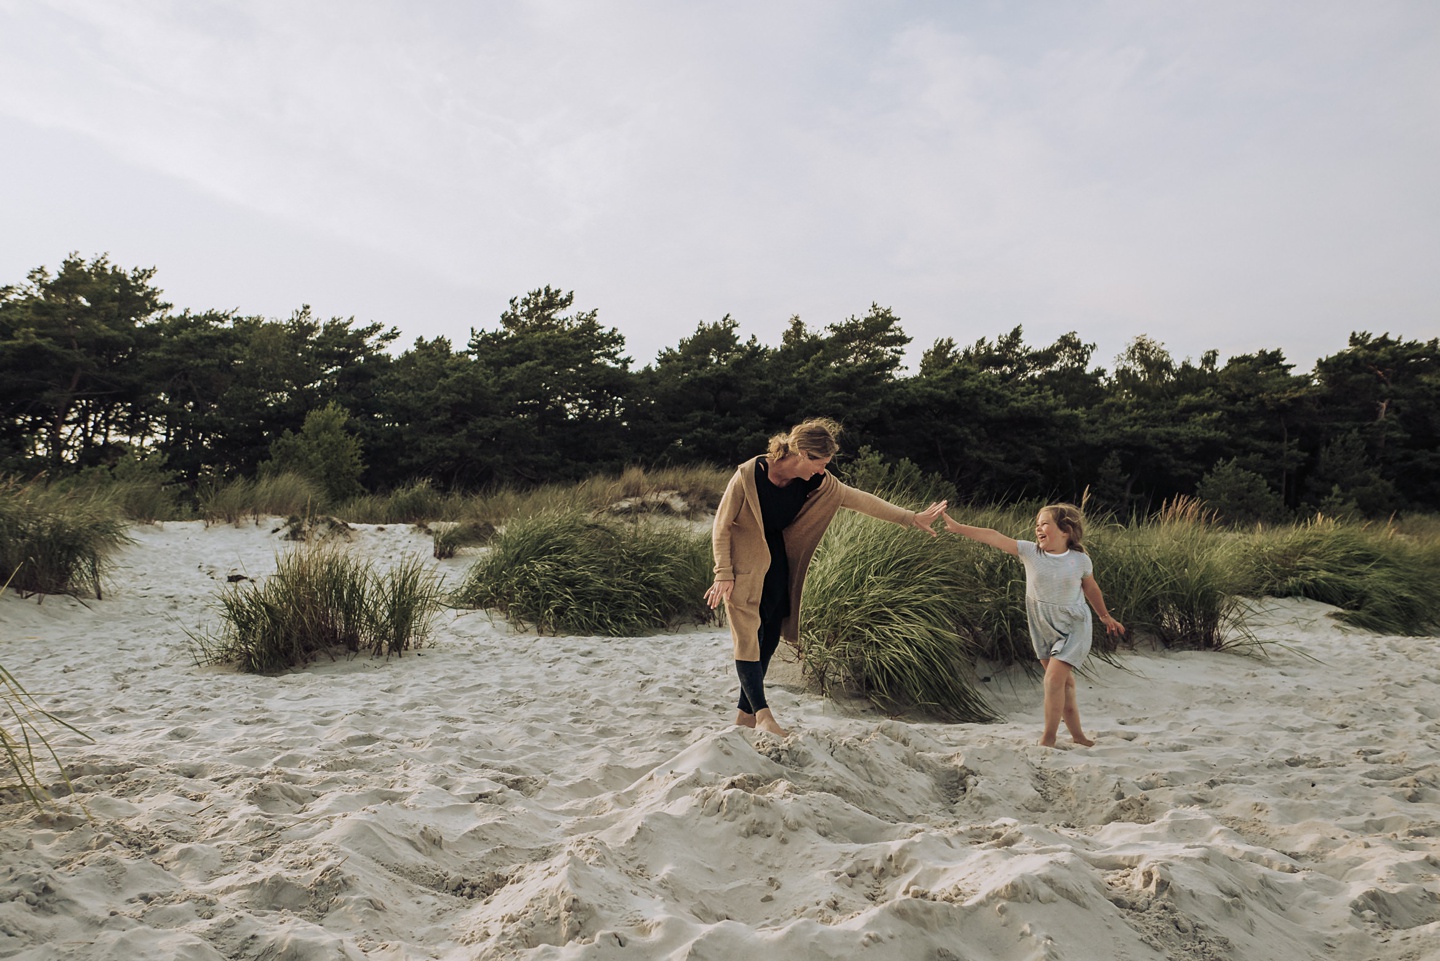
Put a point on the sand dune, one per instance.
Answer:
(502, 795)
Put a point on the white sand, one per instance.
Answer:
(502, 795)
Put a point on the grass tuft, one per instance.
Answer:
(571, 573)
(242, 499)
(1382, 579)
(450, 538)
(321, 601)
(882, 607)
(54, 541)
(1178, 578)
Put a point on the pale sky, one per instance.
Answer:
(1227, 174)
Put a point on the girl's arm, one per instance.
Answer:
(1097, 601)
(982, 534)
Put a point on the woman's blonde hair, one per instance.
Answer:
(814, 437)
(1071, 522)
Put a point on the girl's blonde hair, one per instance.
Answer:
(1071, 522)
(814, 437)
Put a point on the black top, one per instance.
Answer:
(779, 506)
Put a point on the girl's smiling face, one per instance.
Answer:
(1050, 537)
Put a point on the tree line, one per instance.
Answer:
(98, 370)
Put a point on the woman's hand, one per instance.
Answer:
(925, 519)
(719, 591)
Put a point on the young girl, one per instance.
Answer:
(1059, 579)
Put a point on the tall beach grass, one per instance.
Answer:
(321, 601)
(1178, 578)
(56, 541)
(572, 572)
(241, 499)
(883, 608)
(1382, 578)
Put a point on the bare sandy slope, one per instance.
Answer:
(502, 795)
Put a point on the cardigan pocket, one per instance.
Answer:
(748, 587)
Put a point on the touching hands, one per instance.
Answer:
(718, 592)
(926, 518)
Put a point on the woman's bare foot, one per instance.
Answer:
(1082, 740)
(744, 720)
(765, 721)
(1047, 741)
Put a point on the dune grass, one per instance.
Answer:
(414, 503)
(56, 541)
(241, 499)
(1178, 578)
(634, 491)
(882, 610)
(1384, 580)
(571, 572)
(321, 601)
(449, 538)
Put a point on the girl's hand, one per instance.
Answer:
(951, 524)
(925, 519)
(1112, 626)
(719, 591)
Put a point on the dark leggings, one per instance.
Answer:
(752, 673)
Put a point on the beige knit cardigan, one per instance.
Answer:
(742, 556)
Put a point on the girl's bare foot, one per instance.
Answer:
(1082, 740)
(744, 720)
(765, 721)
(1047, 741)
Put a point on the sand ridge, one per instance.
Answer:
(503, 795)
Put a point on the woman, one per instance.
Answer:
(772, 516)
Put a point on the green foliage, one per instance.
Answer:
(91, 363)
(882, 607)
(72, 351)
(996, 420)
(139, 484)
(899, 480)
(413, 503)
(1239, 496)
(1382, 579)
(572, 573)
(324, 451)
(279, 495)
(559, 384)
(1387, 391)
(56, 542)
(705, 399)
(1347, 481)
(226, 386)
(322, 601)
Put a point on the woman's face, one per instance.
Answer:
(807, 467)
(1049, 536)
